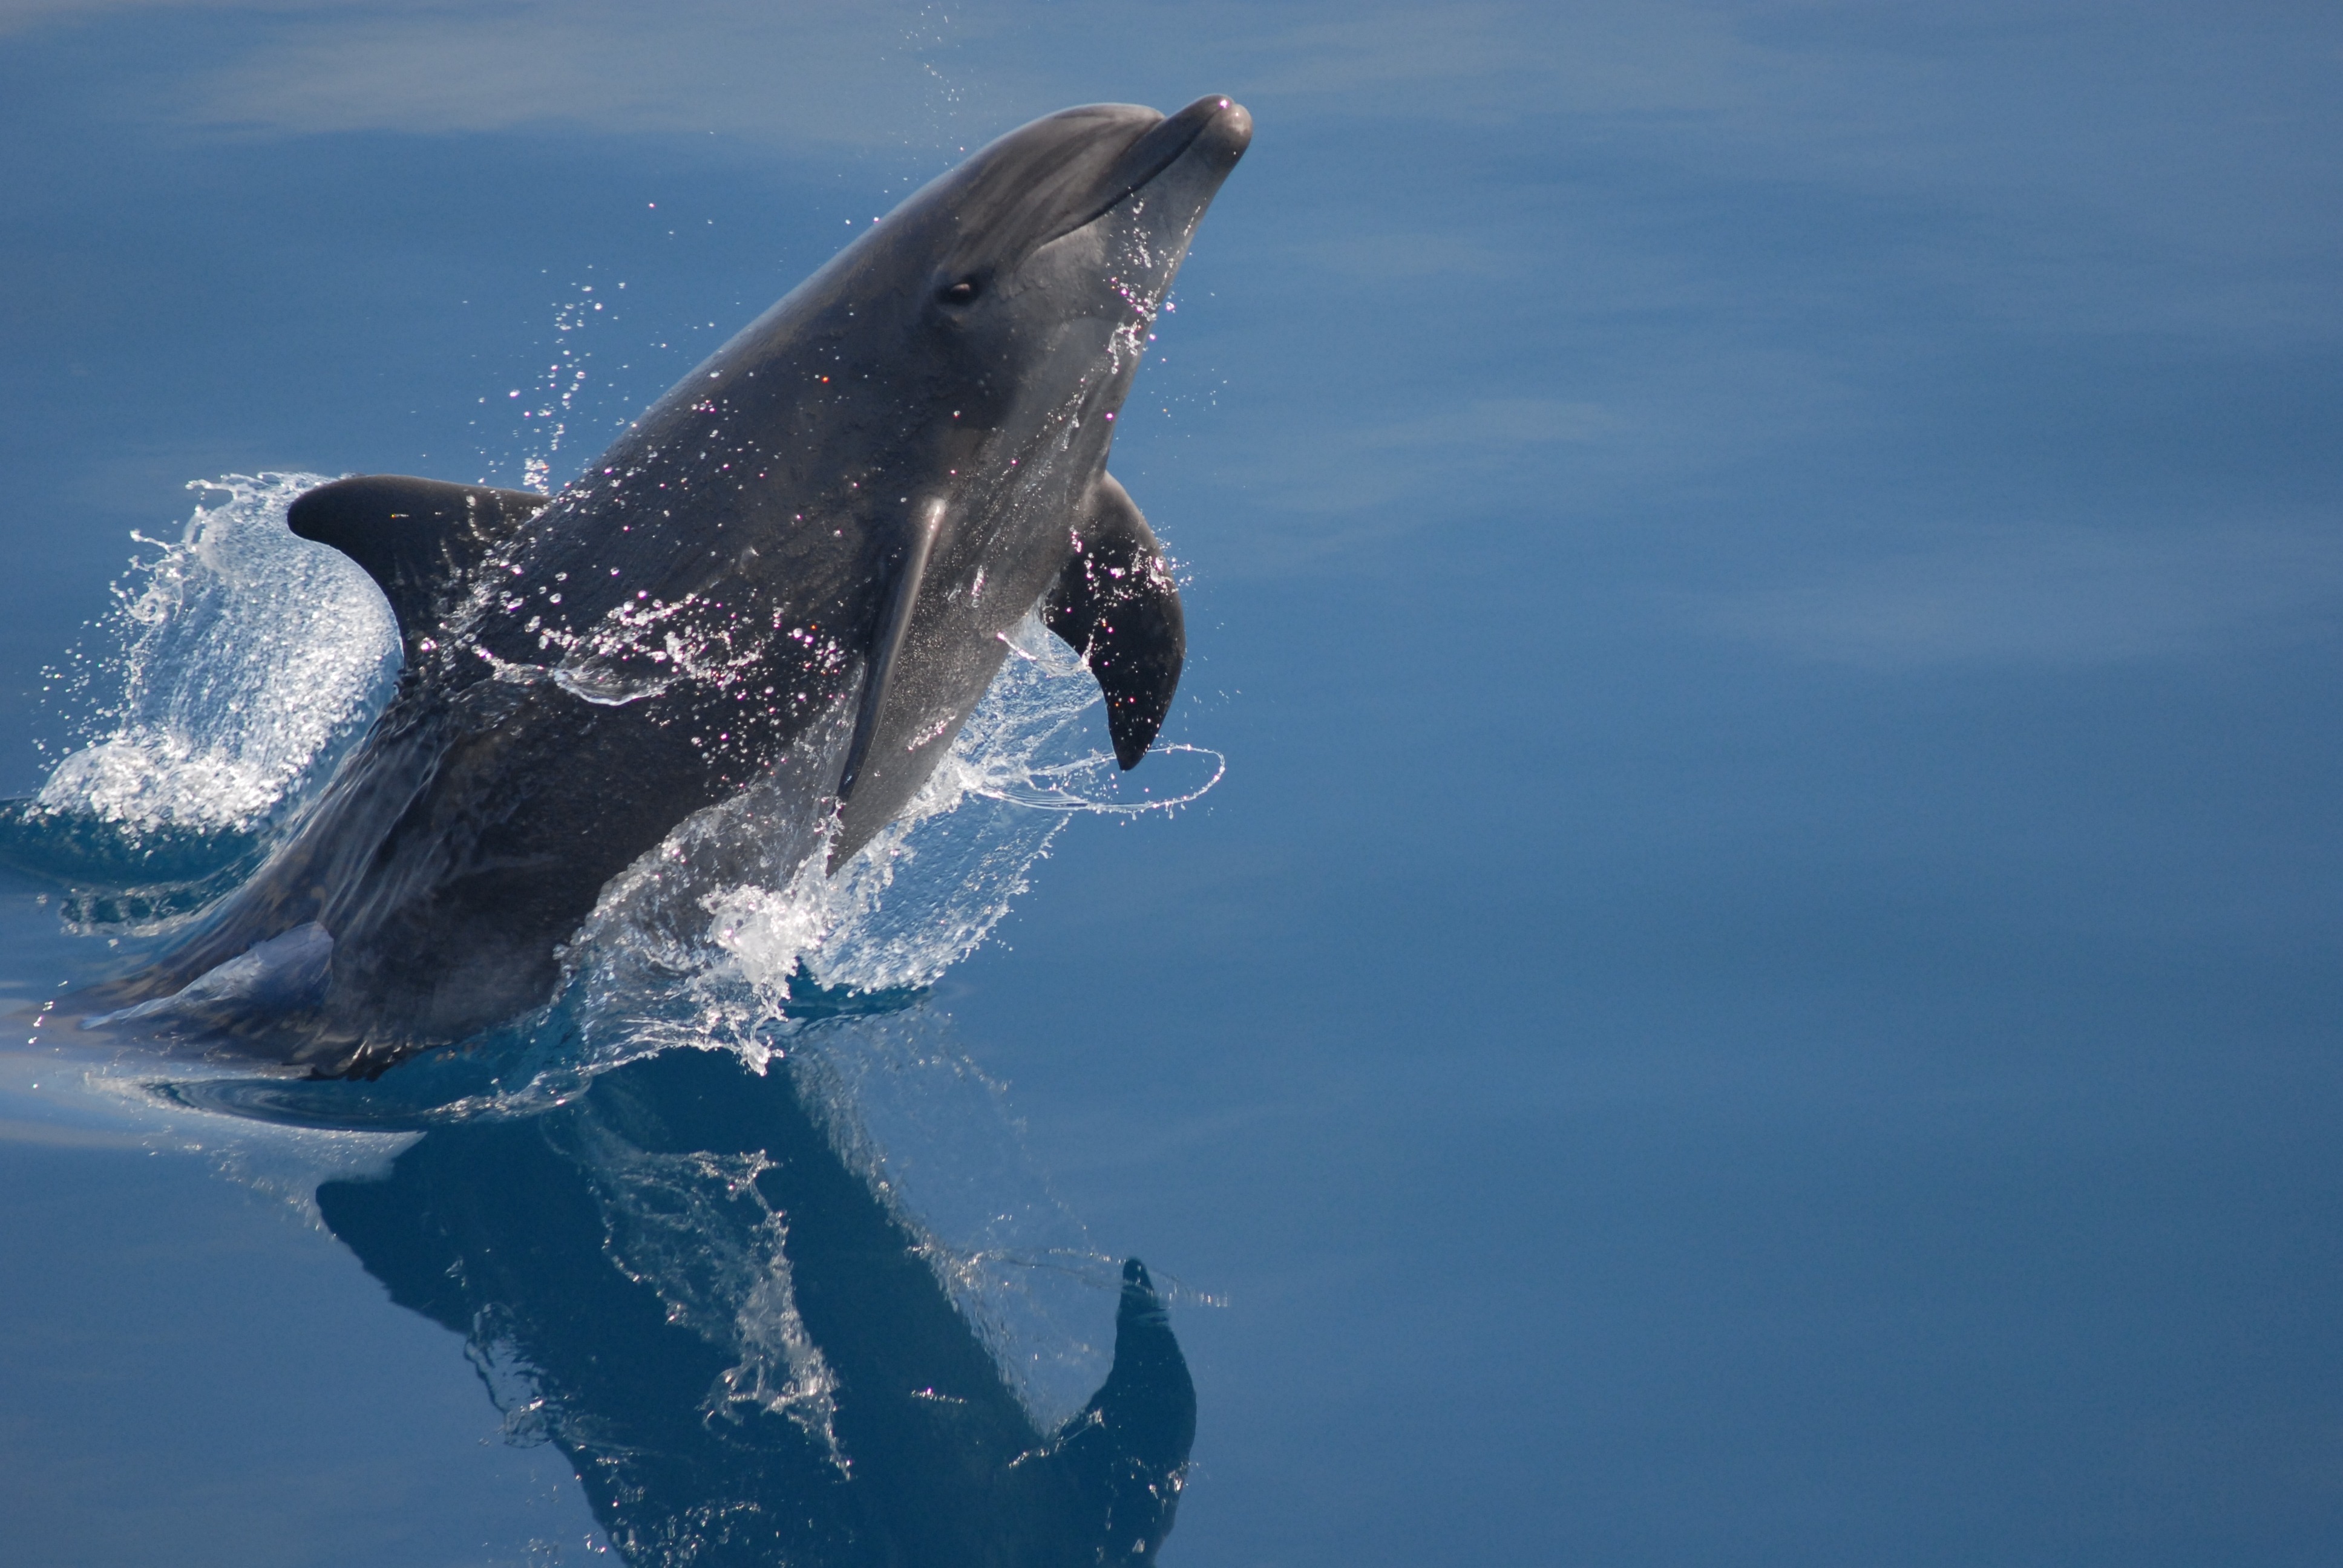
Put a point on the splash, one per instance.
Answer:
(245, 655)
(546, 410)
(240, 661)
(733, 923)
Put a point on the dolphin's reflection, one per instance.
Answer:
(743, 1353)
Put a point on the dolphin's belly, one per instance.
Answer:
(454, 920)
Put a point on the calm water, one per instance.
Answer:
(1761, 984)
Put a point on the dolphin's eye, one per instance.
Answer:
(960, 293)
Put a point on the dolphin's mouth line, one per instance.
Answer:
(1131, 186)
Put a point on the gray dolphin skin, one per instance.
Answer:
(838, 515)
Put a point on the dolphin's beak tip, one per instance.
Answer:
(1231, 128)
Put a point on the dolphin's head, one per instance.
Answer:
(1018, 290)
(901, 450)
(1048, 254)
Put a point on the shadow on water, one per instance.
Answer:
(108, 873)
(742, 1350)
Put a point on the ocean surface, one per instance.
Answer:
(1735, 956)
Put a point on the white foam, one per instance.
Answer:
(928, 889)
(241, 657)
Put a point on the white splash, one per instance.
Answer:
(712, 932)
(242, 658)
(931, 886)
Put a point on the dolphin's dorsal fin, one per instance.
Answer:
(418, 539)
(1116, 604)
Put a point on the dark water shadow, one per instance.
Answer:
(108, 873)
(742, 1350)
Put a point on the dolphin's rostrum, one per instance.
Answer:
(843, 510)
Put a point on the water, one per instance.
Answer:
(1759, 984)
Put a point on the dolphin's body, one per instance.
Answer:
(849, 503)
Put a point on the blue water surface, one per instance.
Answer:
(1762, 983)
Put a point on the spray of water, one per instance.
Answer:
(237, 663)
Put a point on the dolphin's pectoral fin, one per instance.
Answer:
(1126, 1455)
(416, 538)
(1116, 603)
(877, 674)
(859, 820)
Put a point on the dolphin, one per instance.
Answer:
(840, 513)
